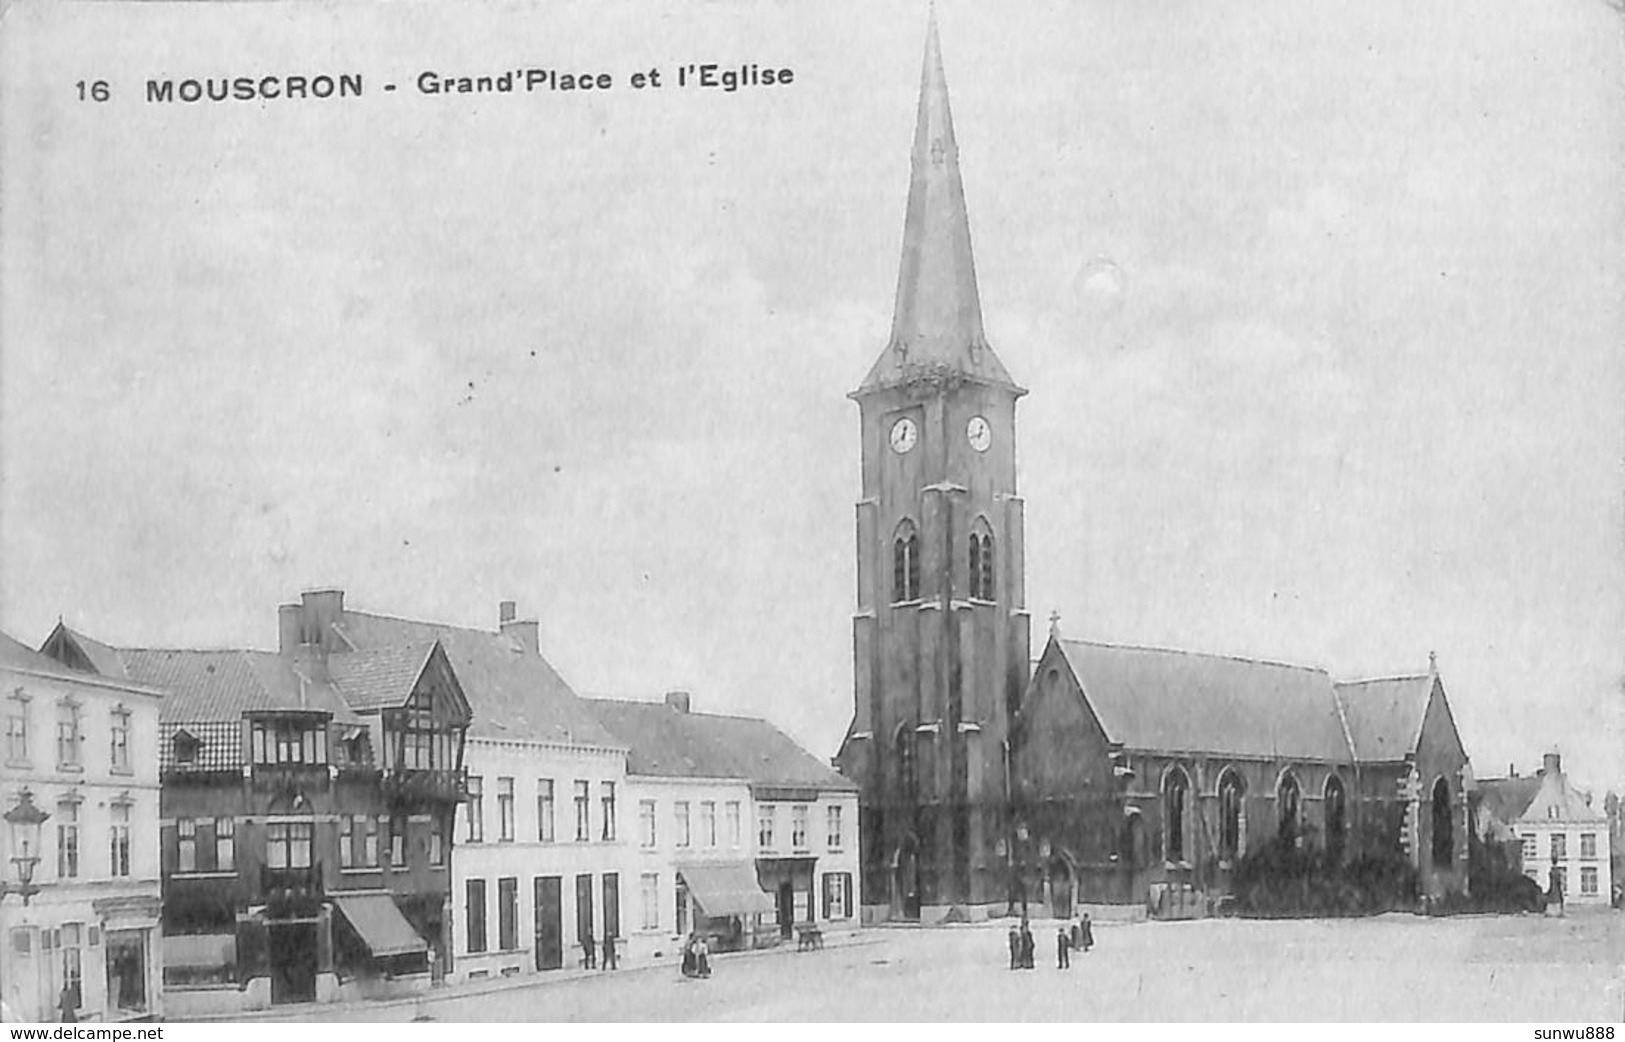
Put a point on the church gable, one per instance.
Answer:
(1064, 748)
(1438, 738)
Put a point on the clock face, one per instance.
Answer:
(903, 435)
(979, 433)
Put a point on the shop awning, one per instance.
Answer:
(380, 924)
(726, 889)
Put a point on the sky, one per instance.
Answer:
(1319, 307)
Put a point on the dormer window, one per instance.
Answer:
(416, 738)
(289, 740)
(186, 747)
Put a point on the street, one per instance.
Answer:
(1391, 968)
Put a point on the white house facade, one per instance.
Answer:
(691, 848)
(788, 859)
(1563, 834)
(539, 859)
(79, 751)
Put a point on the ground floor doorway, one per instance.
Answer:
(127, 971)
(549, 922)
(293, 962)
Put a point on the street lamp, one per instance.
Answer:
(23, 822)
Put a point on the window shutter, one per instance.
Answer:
(826, 895)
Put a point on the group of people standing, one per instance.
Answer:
(1079, 935)
(696, 957)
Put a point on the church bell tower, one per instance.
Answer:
(941, 634)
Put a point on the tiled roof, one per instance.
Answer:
(1557, 800)
(665, 742)
(373, 678)
(513, 694)
(1385, 715)
(1149, 698)
(107, 660)
(1507, 798)
(222, 685)
(16, 653)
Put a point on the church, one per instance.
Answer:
(1101, 774)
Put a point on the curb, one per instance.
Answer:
(501, 985)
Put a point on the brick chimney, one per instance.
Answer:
(1553, 764)
(524, 632)
(288, 620)
(678, 700)
(320, 609)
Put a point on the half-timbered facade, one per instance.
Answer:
(307, 806)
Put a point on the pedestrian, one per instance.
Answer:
(1077, 935)
(1088, 933)
(688, 956)
(702, 957)
(1015, 948)
(1063, 949)
(1027, 946)
(68, 1005)
(589, 952)
(610, 961)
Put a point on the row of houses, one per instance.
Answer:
(378, 803)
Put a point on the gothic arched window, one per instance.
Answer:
(1336, 817)
(905, 564)
(981, 562)
(1288, 799)
(904, 745)
(1231, 792)
(1444, 837)
(1176, 790)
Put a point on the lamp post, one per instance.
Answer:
(23, 823)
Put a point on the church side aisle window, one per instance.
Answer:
(1176, 791)
(1230, 796)
(905, 564)
(1288, 798)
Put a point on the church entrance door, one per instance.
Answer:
(1060, 889)
(906, 882)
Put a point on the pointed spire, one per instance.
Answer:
(937, 321)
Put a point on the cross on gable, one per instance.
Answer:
(938, 150)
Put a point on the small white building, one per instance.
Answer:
(743, 834)
(81, 749)
(1563, 834)
(691, 857)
